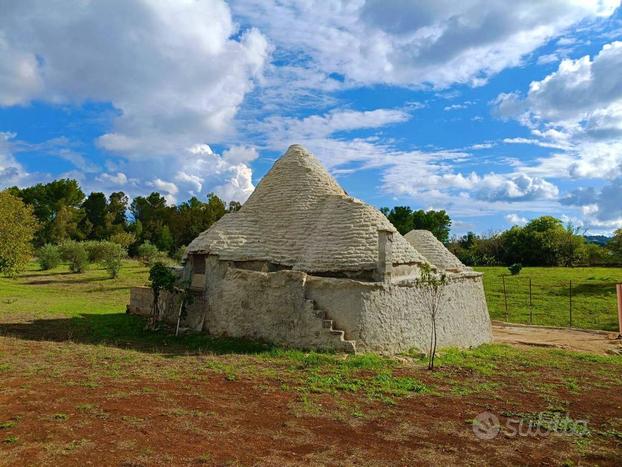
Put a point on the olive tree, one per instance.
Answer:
(18, 226)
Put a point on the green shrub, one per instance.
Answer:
(49, 256)
(515, 269)
(75, 254)
(147, 251)
(179, 253)
(150, 255)
(125, 239)
(113, 258)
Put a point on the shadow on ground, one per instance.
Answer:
(128, 332)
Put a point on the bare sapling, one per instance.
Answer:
(432, 286)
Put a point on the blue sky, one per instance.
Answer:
(496, 111)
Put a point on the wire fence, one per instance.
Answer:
(587, 304)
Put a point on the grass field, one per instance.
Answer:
(82, 382)
(594, 303)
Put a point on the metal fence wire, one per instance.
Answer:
(589, 304)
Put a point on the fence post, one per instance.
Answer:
(530, 304)
(505, 300)
(619, 293)
(570, 303)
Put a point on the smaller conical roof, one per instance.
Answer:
(434, 251)
(299, 216)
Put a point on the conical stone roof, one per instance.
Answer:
(299, 216)
(434, 251)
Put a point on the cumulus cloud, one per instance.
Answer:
(515, 219)
(601, 205)
(578, 109)
(518, 187)
(413, 43)
(167, 187)
(11, 171)
(119, 179)
(228, 175)
(173, 70)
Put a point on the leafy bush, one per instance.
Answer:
(113, 258)
(125, 239)
(161, 278)
(179, 253)
(150, 255)
(49, 256)
(95, 249)
(147, 251)
(515, 269)
(75, 254)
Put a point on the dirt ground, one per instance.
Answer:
(72, 403)
(598, 342)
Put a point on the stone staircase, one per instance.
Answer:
(337, 339)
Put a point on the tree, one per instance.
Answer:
(57, 207)
(93, 224)
(112, 258)
(194, 216)
(400, 217)
(615, 245)
(432, 287)
(17, 230)
(572, 247)
(153, 213)
(437, 222)
(404, 219)
(76, 255)
(116, 217)
(49, 256)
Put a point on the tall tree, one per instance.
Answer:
(17, 231)
(404, 219)
(153, 213)
(95, 208)
(57, 207)
(437, 222)
(615, 245)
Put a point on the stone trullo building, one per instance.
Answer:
(303, 264)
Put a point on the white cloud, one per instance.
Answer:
(240, 154)
(11, 171)
(227, 175)
(168, 187)
(176, 71)
(119, 179)
(520, 187)
(547, 58)
(577, 109)
(603, 206)
(413, 43)
(515, 219)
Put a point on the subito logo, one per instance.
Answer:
(486, 426)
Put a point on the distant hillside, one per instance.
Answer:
(598, 239)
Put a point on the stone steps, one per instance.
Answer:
(341, 343)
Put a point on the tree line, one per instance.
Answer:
(63, 212)
(543, 241)
(58, 222)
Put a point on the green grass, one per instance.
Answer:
(593, 296)
(61, 292)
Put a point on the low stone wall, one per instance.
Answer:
(141, 302)
(391, 317)
(292, 308)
